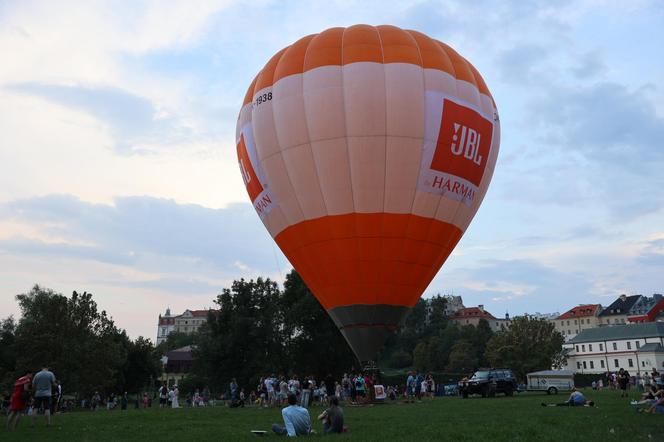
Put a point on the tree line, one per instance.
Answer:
(256, 328)
(78, 342)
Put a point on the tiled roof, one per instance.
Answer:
(473, 312)
(618, 332)
(581, 311)
(620, 306)
(652, 347)
(199, 313)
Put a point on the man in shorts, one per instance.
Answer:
(42, 384)
(163, 395)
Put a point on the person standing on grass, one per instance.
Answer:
(360, 383)
(163, 395)
(43, 383)
(19, 400)
(297, 421)
(176, 393)
(623, 381)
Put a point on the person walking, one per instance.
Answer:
(19, 400)
(43, 383)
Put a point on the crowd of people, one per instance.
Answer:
(42, 394)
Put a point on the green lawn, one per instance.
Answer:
(518, 418)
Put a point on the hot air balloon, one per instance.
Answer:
(366, 152)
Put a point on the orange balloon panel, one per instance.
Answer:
(366, 152)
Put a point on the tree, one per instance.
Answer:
(310, 336)
(463, 357)
(244, 337)
(141, 366)
(69, 335)
(260, 330)
(7, 352)
(421, 360)
(528, 345)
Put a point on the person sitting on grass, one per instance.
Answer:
(296, 419)
(657, 407)
(333, 417)
(576, 399)
(652, 394)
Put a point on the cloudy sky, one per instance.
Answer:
(118, 172)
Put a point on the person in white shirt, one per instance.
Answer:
(296, 419)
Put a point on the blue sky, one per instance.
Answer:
(118, 173)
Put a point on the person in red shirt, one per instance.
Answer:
(19, 400)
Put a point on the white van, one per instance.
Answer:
(550, 381)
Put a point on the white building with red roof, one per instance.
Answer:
(187, 322)
(473, 315)
(577, 319)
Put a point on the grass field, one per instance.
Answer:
(518, 418)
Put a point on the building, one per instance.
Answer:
(165, 325)
(188, 322)
(577, 319)
(618, 311)
(177, 364)
(646, 309)
(453, 304)
(473, 315)
(544, 316)
(634, 347)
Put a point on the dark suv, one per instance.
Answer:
(488, 382)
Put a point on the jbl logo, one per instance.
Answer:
(468, 144)
(464, 141)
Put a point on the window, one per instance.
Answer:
(567, 322)
(615, 347)
(643, 363)
(577, 348)
(578, 365)
(584, 364)
(563, 332)
(629, 345)
(638, 344)
(569, 332)
(583, 348)
(601, 363)
(587, 321)
(615, 362)
(590, 347)
(601, 347)
(592, 364)
(575, 322)
(630, 363)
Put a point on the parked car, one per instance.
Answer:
(551, 381)
(489, 381)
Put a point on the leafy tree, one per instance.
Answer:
(463, 357)
(142, 366)
(69, 335)
(421, 359)
(312, 341)
(7, 352)
(528, 345)
(261, 330)
(244, 337)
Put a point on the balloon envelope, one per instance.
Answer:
(366, 152)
